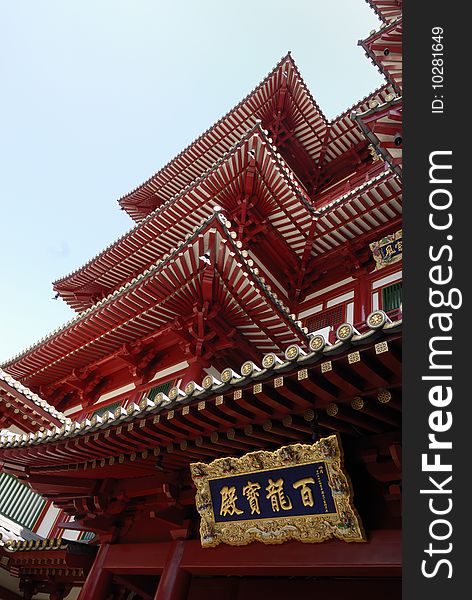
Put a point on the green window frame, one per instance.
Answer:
(392, 297)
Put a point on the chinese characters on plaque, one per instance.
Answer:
(388, 250)
(297, 492)
(287, 491)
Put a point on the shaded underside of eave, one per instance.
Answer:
(386, 10)
(390, 65)
(101, 273)
(386, 117)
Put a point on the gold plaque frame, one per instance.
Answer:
(344, 525)
(380, 261)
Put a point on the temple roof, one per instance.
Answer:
(382, 125)
(252, 170)
(387, 10)
(363, 208)
(158, 299)
(24, 408)
(12, 532)
(278, 206)
(307, 121)
(379, 329)
(344, 135)
(384, 47)
(320, 141)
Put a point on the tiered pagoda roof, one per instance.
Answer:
(230, 234)
(274, 218)
(311, 145)
(282, 102)
(384, 47)
(149, 287)
(207, 273)
(21, 407)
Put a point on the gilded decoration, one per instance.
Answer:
(292, 352)
(317, 343)
(299, 492)
(387, 250)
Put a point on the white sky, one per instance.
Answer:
(97, 95)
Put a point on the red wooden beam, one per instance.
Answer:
(142, 559)
(175, 581)
(379, 556)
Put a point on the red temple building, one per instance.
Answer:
(254, 305)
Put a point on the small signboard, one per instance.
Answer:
(298, 492)
(388, 250)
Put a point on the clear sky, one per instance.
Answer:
(97, 95)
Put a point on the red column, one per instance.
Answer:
(362, 299)
(194, 372)
(97, 584)
(174, 582)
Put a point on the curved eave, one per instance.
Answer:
(343, 131)
(285, 204)
(40, 451)
(362, 210)
(382, 124)
(25, 408)
(384, 48)
(219, 138)
(149, 302)
(386, 10)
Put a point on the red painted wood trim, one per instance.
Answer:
(97, 584)
(380, 556)
(142, 559)
(175, 581)
(41, 516)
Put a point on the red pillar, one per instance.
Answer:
(194, 371)
(362, 298)
(98, 582)
(175, 581)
